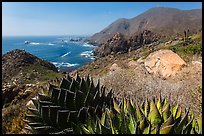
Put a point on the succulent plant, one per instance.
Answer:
(64, 107)
(78, 106)
(149, 118)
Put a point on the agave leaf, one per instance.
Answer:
(53, 115)
(98, 126)
(108, 97)
(61, 116)
(166, 129)
(159, 105)
(92, 89)
(43, 97)
(90, 125)
(147, 130)
(51, 87)
(69, 78)
(54, 95)
(178, 113)
(36, 124)
(83, 86)
(75, 129)
(34, 118)
(168, 122)
(147, 108)
(44, 129)
(131, 107)
(153, 131)
(117, 121)
(123, 127)
(115, 106)
(155, 117)
(193, 131)
(125, 110)
(61, 97)
(132, 125)
(83, 115)
(194, 123)
(174, 110)
(79, 99)
(78, 79)
(139, 113)
(105, 130)
(88, 79)
(96, 98)
(65, 84)
(188, 127)
(69, 100)
(183, 122)
(35, 102)
(142, 107)
(166, 112)
(103, 118)
(164, 102)
(74, 86)
(45, 114)
(152, 103)
(85, 130)
(73, 116)
(34, 111)
(199, 120)
(143, 124)
(111, 124)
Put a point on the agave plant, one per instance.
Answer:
(66, 106)
(148, 118)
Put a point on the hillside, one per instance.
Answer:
(163, 21)
(155, 25)
(22, 76)
(128, 76)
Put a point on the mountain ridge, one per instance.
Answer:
(154, 19)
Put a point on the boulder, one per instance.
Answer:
(164, 62)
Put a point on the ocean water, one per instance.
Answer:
(62, 51)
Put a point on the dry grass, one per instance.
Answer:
(184, 89)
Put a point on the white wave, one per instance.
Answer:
(66, 54)
(88, 54)
(64, 64)
(88, 45)
(34, 43)
(51, 44)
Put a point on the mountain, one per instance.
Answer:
(160, 22)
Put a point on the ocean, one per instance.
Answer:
(65, 52)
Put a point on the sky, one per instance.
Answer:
(73, 18)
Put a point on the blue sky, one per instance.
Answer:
(73, 18)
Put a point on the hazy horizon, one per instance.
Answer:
(73, 18)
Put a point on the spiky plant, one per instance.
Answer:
(66, 106)
(149, 118)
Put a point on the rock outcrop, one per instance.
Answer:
(164, 62)
(119, 44)
(114, 45)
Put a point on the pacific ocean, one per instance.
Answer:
(65, 52)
